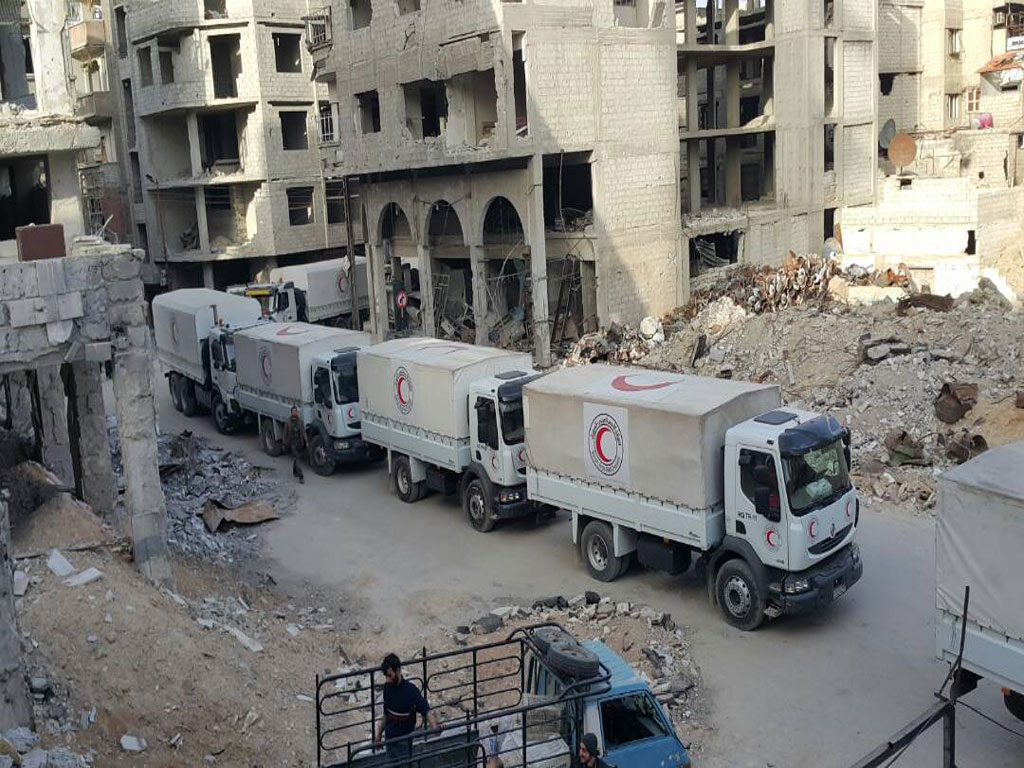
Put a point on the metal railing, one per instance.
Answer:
(325, 120)
(318, 28)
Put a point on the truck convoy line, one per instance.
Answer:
(655, 467)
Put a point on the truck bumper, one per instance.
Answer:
(357, 449)
(507, 510)
(828, 581)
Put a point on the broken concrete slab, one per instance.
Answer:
(20, 583)
(216, 513)
(88, 576)
(59, 565)
(131, 743)
(244, 639)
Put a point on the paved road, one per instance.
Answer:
(799, 693)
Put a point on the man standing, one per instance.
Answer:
(402, 700)
(297, 442)
(590, 755)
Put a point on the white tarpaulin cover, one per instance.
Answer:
(327, 284)
(657, 433)
(276, 359)
(182, 321)
(980, 537)
(425, 383)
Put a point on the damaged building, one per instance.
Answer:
(518, 163)
(777, 126)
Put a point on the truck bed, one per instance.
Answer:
(990, 654)
(448, 452)
(696, 528)
(279, 408)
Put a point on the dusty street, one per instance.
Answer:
(806, 693)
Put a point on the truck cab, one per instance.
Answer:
(495, 488)
(334, 434)
(227, 413)
(278, 300)
(790, 517)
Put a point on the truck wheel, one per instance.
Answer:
(478, 508)
(1014, 703)
(221, 416)
(573, 660)
(738, 597)
(596, 546)
(271, 445)
(174, 385)
(407, 490)
(321, 456)
(189, 406)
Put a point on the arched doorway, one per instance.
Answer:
(400, 265)
(451, 274)
(509, 317)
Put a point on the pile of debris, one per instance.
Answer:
(20, 747)
(618, 344)
(207, 489)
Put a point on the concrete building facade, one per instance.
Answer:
(518, 161)
(789, 135)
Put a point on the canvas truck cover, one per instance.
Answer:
(182, 321)
(276, 359)
(980, 540)
(424, 383)
(327, 285)
(656, 433)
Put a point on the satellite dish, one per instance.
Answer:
(886, 134)
(902, 150)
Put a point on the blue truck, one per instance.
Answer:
(527, 699)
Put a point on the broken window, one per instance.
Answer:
(426, 108)
(293, 130)
(830, 156)
(215, 9)
(226, 64)
(145, 66)
(219, 134)
(141, 237)
(954, 42)
(24, 194)
(830, 74)
(972, 243)
(953, 106)
(407, 6)
(568, 192)
(318, 28)
(361, 12)
(368, 112)
(713, 251)
(472, 108)
(120, 31)
(885, 83)
(287, 52)
(519, 82)
(136, 177)
(828, 13)
(325, 117)
(502, 225)
(166, 67)
(227, 214)
(300, 205)
(829, 223)
(335, 196)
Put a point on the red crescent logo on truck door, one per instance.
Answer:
(342, 283)
(771, 538)
(606, 444)
(622, 384)
(291, 330)
(403, 390)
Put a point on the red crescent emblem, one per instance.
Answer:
(522, 455)
(351, 413)
(812, 529)
(769, 537)
(622, 384)
(597, 445)
(287, 331)
(401, 395)
(494, 462)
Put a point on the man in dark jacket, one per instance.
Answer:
(402, 701)
(297, 442)
(590, 755)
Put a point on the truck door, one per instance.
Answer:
(323, 399)
(485, 440)
(634, 731)
(284, 306)
(758, 508)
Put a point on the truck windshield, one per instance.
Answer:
(346, 386)
(511, 421)
(817, 477)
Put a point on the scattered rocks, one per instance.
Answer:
(59, 565)
(88, 576)
(133, 743)
(486, 624)
(23, 739)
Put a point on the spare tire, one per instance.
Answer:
(573, 660)
(545, 637)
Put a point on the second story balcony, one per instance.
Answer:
(86, 39)
(95, 106)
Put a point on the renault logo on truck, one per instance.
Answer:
(403, 391)
(606, 444)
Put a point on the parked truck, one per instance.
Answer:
(311, 368)
(194, 330)
(527, 700)
(979, 540)
(450, 417)
(319, 292)
(666, 468)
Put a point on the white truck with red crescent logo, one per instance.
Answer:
(194, 330)
(318, 292)
(671, 468)
(450, 417)
(311, 368)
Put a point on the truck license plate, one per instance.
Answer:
(838, 590)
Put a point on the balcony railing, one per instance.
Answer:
(326, 123)
(318, 28)
(86, 39)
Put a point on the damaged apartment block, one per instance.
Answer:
(518, 188)
(776, 124)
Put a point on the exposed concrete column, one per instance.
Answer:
(202, 223)
(690, 21)
(731, 21)
(538, 262)
(378, 293)
(732, 94)
(20, 405)
(692, 158)
(53, 93)
(693, 166)
(478, 269)
(99, 489)
(194, 146)
(426, 291)
(208, 275)
(733, 172)
(53, 420)
(15, 704)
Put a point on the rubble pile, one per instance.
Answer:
(618, 344)
(20, 747)
(196, 475)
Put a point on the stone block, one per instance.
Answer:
(138, 336)
(37, 311)
(32, 339)
(97, 352)
(126, 315)
(124, 291)
(82, 273)
(18, 281)
(121, 267)
(50, 277)
(69, 305)
(60, 331)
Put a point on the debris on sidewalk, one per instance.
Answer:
(216, 513)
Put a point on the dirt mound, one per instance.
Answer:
(62, 521)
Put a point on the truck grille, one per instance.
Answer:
(827, 544)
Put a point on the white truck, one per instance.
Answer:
(979, 538)
(318, 292)
(311, 368)
(194, 330)
(667, 467)
(450, 417)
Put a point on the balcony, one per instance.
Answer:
(86, 39)
(170, 18)
(97, 106)
(319, 33)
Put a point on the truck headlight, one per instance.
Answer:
(796, 586)
(506, 497)
(855, 552)
(341, 445)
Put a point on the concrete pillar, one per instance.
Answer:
(690, 21)
(731, 21)
(53, 420)
(693, 165)
(20, 405)
(426, 291)
(538, 262)
(378, 293)
(53, 94)
(712, 173)
(692, 159)
(98, 487)
(15, 704)
(732, 94)
(208, 275)
(733, 171)
(478, 268)
(194, 146)
(202, 223)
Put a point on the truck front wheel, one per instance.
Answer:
(321, 455)
(174, 385)
(221, 416)
(189, 406)
(478, 509)
(598, 552)
(271, 445)
(407, 490)
(738, 597)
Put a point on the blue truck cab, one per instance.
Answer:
(527, 699)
